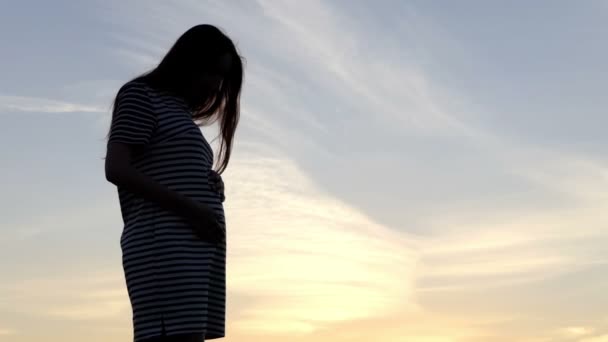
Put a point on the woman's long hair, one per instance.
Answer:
(197, 55)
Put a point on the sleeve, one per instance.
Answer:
(133, 118)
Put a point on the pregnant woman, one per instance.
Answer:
(174, 237)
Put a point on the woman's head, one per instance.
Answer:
(204, 68)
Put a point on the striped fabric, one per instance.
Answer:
(176, 281)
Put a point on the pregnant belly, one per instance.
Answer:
(201, 192)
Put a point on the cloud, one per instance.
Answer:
(576, 331)
(84, 297)
(325, 49)
(308, 259)
(57, 220)
(484, 253)
(7, 332)
(599, 338)
(10, 103)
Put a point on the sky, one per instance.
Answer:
(425, 171)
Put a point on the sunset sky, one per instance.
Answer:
(425, 171)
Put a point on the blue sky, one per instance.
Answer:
(434, 170)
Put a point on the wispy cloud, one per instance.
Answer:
(327, 49)
(297, 250)
(11, 103)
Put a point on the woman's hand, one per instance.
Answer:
(205, 224)
(217, 183)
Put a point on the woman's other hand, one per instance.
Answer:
(205, 224)
(217, 183)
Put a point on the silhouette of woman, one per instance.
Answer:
(174, 237)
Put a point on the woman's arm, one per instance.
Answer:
(119, 171)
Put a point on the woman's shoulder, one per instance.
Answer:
(140, 90)
(136, 88)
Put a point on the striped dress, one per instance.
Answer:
(176, 281)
